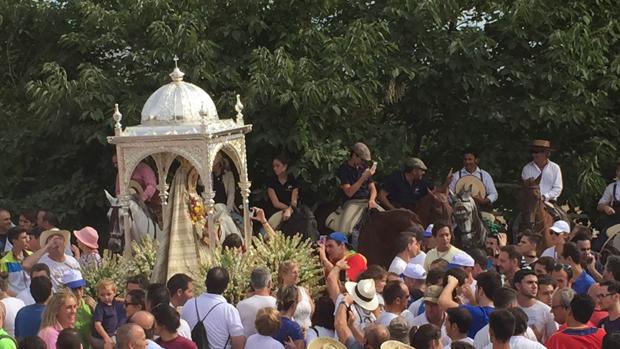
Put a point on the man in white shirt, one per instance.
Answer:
(220, 319)
(470, 168)
(53, 254)
(540, 318)
(540, 166)
(157, 294)
(396, 295)
(408, 246)
(181, 288)
(260, 281)
(433, 314)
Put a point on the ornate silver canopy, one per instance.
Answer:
(180, 119)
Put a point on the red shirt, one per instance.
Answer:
(177, 343)
(587, 338)
(597, 316)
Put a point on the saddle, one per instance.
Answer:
(554, 210)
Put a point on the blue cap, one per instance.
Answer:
(429, 231)
(339, 236)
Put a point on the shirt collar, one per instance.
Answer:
(464, 170)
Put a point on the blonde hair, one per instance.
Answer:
(267, 321)
(49, 316)
(286, 267)
(105, 283)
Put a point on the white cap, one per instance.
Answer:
(561, 227)
(461, 259)
(415, 271)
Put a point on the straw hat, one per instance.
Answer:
(541, 144)
(53, 232)
(477, 187)
(363, 293)
(613, 230)
(325, 343)
(135, 188)
(391, 344)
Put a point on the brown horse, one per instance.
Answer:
(534, 214)
(434, 206)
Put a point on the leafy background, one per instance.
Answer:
(423, 77)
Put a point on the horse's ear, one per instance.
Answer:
(471, 186)
(110, 198)
(537, 180)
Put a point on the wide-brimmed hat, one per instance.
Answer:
(541, 144)
(73, 279)
(88, 236)
(363, 293)
(392, 344)
(473, 182)
(361, 150)
(325, 343)
(55, 231)
(613, 230)
(432, 294)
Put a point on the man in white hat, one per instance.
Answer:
(559, 231)
(53, 255)
(549, 171)
(374, 334)
(414, 277)
(364, 301)
(406, 187)
(396, 296)
(470, 168)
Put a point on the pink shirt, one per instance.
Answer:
(50, 336)
(144, 175)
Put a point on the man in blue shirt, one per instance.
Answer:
(582, 281)
(406, 187)
(487, 283)
(28, 319)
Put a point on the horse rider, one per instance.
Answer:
(146, 178)
(360, 192)
(470, 168)
(406, 187)
(551, 179)
(609, 204)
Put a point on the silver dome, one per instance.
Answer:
(178, 102)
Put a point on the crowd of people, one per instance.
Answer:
(433, 295)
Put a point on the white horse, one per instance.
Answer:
(141, 223)
(471, 230)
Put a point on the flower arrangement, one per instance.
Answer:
(197, 211)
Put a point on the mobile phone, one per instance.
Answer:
(322, 239)
(343, 275)
(374, 166)
(253, 212)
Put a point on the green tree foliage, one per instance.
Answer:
(408, 77)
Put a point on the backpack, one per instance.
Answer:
(199, 332)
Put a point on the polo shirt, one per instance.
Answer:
(349, 175)
(222, 322)
(19, 280)
(7, 342)
(401, 192)
(582, 284)
(480, 318)
(587, 338)
(284, 191)
(28, 320)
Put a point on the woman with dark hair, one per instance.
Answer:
(425, 337)
(322, 319)
(283, 192)
(134, 302)
(290, 331)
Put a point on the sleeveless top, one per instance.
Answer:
(303, 313)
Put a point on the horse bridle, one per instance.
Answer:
(117, 232)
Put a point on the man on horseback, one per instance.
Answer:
(146, 178)
(470, 168)
(609, 204)
(360, 192)
(551, 179)
(405, 188)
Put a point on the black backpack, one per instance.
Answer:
(199, 332)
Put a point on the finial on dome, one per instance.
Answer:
(117, 116)
(203, 113)
(239, 108)
(177, 74)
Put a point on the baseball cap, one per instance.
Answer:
(461, 259)
(432, 294)
(414, 271)
(429, 231)
(73, 279)
(561, 227)
(339, 237)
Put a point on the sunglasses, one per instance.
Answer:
(559, 266)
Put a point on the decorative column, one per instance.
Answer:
(244, 185)
(208, 196)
